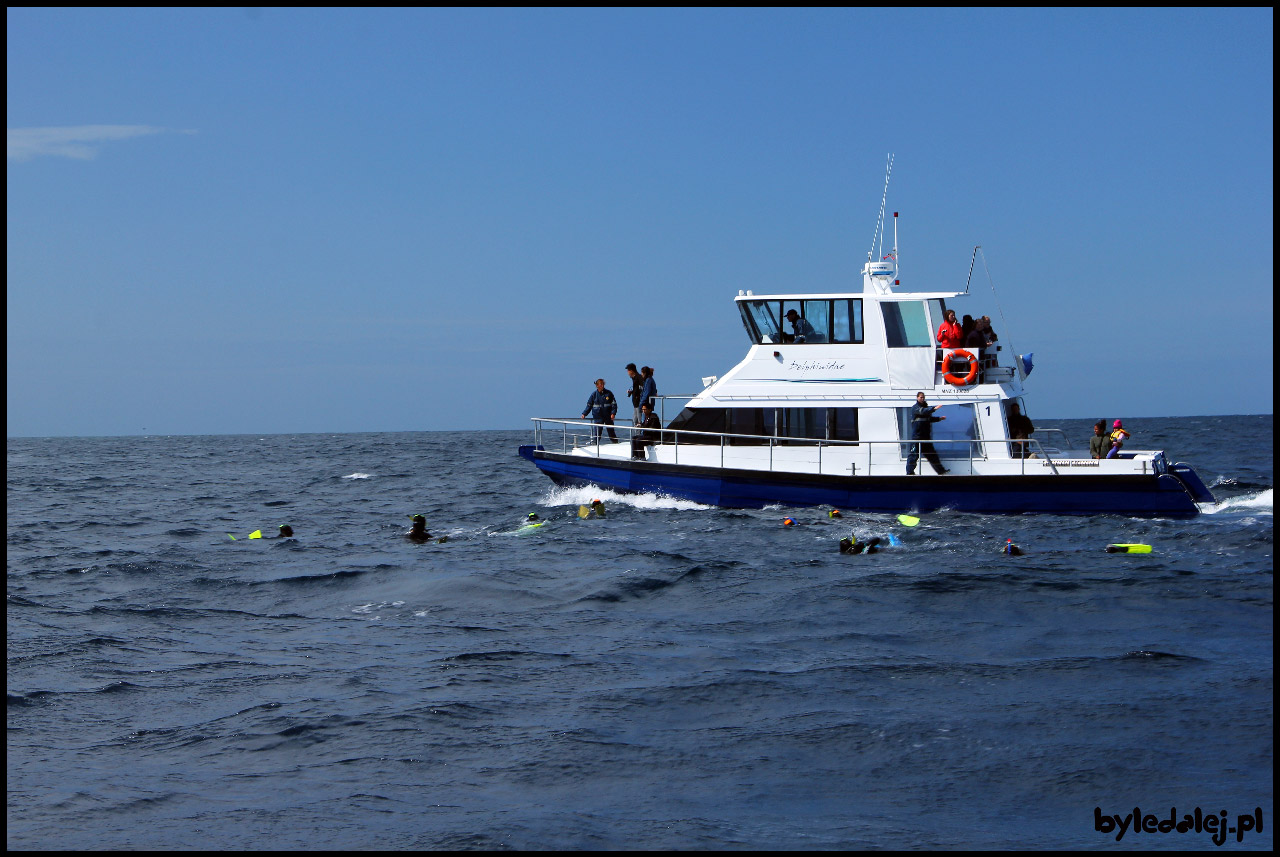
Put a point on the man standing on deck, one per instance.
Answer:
(603, 407)
(922, 420)
(637, 383)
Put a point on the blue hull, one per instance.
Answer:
(1164, 495)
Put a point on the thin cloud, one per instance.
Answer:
(80, 141)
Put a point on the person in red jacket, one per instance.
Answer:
(949, 334)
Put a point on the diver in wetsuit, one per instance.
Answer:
(419, 532)
(853, 545)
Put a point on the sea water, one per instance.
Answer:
(671, 675)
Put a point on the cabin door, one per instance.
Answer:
(910, 346)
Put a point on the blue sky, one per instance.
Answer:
(295, 220)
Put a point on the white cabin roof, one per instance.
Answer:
(822, 296)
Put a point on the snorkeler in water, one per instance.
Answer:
(853, 545)
(419, 531)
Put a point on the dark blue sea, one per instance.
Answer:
(670, 676)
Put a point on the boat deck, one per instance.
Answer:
(834, 457)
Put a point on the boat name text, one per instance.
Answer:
(815, 365)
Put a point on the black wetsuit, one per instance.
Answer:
(922, 420)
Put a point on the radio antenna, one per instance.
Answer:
(973, 259)
(879, 234)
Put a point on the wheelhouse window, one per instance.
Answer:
(906, 325)
(828, 320)
(846, 320)
(762, 320)
(818, 314)
(788, 329)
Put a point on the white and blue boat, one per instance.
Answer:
(820, 415)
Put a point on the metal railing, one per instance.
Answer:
(586, 435)
(662, 404)
(1065, 437)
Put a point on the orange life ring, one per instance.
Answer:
(956, 379)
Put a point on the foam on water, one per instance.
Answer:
(356, 476)
(1258, 501)
(581, 496)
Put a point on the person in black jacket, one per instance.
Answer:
(922, 420)
(650, 422)
(637, 382)
(987, 330)
(1020, 428)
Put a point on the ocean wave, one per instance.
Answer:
(371, 607)
(501, 655)
(1238, 484)
(321, 577)
(583, 495)
(1258, 501)
(1150, 655)
(633, 586)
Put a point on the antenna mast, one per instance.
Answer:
(879, 234)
